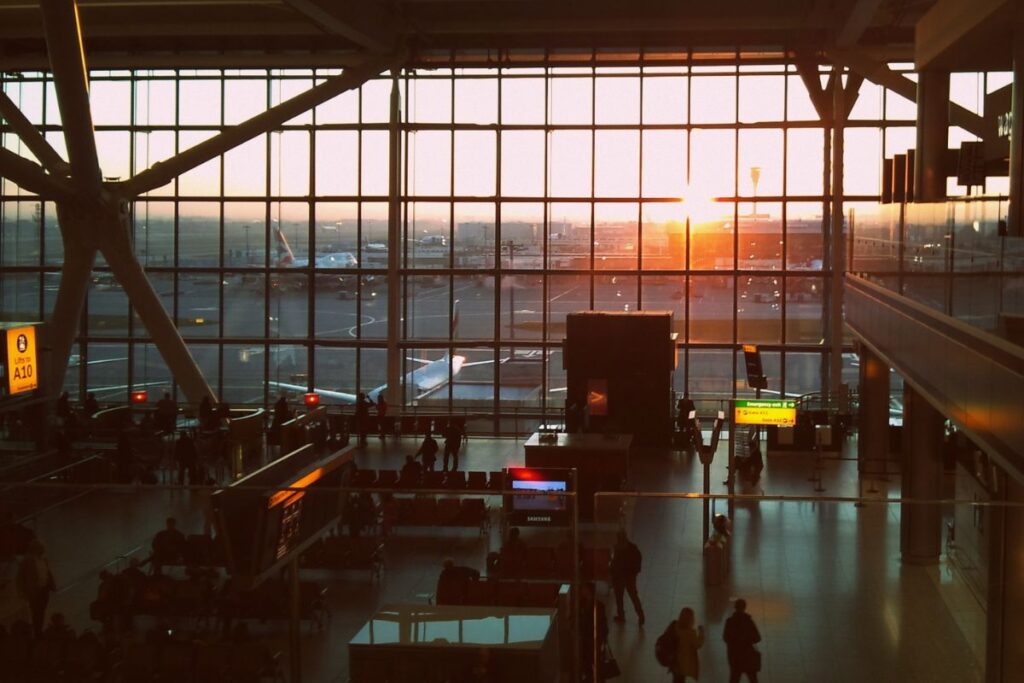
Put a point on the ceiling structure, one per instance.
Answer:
(237, 33)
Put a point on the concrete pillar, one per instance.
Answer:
(1004, 641)
(932, 136)
(873, 426)
(921, 524)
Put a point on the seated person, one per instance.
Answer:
(168, 545)
(411, 472)
(451, 584)
(513, 552)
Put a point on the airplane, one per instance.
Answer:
(427, 378)
(286, 258)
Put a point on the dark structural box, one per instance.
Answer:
(619, 366)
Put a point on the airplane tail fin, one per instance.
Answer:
(285, 257)
(455, 319)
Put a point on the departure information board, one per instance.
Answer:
(779, 412)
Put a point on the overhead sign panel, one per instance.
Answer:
(780, 412)
(22, 364)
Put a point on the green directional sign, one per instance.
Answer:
(779, 412)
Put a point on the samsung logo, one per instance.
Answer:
(538, 518)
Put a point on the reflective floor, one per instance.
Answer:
(824, 581)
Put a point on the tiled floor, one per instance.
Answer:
(824, 580)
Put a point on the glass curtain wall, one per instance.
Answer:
(528, 194)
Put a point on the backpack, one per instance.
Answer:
(666, 645)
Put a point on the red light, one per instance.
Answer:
(312, 399)
(140, 396)
(523, 474)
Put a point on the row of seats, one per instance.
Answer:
(500, 593)
(431, 479)
(364, 553)
(431, 511)
(404, 424)
(173, 660)
(542, 562)
(24, 658)
(120, 599)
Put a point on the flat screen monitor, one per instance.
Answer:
(541, 501)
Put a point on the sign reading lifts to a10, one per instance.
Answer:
(22, 368)
(781, 412)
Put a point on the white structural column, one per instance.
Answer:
(394, 357)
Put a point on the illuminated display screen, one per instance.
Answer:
(766, 412)
(540, 501)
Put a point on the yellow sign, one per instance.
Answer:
(22, 368)
(766, 412)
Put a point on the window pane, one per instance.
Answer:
(664, 163)
(570, 163)
(617, 163)
(199, 102)
(245, 232)
(245, 169)
(760, 167)
(243, 100)
(804, 313)
(289, 305)
(337, 162)
(665, 99)
(428, 235)
(475, 308)
(713, 99)
(803, 236)
(571, 100)
(243, 374)
(244, 306)
(804, 161)
(522, 163)
(803, 373)
(760, 238)
(475, 163)
(522, 100)
(762, 98)
(430, 100)
(664, 236)
(199, 227)
(476, 100)
(710, 374)
(198, 304)
(712, 164)
(759, 310)
(427, 307)
(666, 293)
(711, 308)
(618, 100)
(335, 370)
(615, 236)
(430, 163)
(615, 293)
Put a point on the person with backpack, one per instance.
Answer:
(625, 565)
(677, 647)
(740, 636)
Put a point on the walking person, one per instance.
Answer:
(382, 414)
(625, 566)
(678, 646)
(362, 417)
(187, 456)
(740, 636)
(35, 583)
(452, 444)
(428, 452)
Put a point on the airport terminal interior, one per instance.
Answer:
(488, 341)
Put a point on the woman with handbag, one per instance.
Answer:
(677, 648)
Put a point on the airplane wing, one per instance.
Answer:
(326, 393)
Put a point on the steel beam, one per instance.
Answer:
(880, 73)
(62, 327)
(30, 176)
(116, 246)
(164, 172)
(67, 60)
(331, 20)
(32, 138)
(932, 136)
